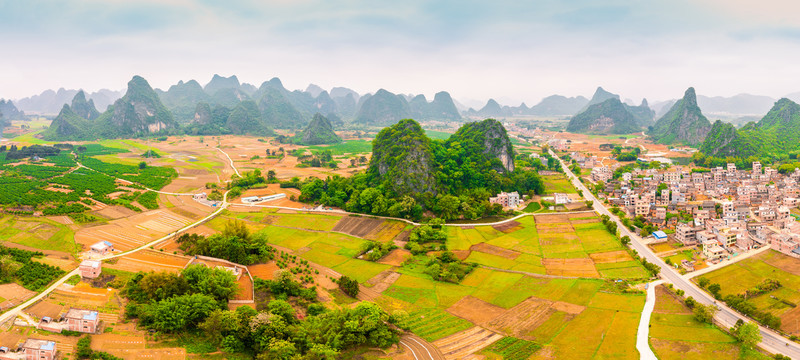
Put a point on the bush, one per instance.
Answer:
(349, 286)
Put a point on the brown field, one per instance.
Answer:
(465, 343)
(14, 294)
(585, 221)
(396, 257)
(570, 267)
(357, 226)
(507, 227)
(785, 263)
(263, 271)
(790, 321)
(521, 320)
(495, 250)
(475, 310)
(382, 281)
(245, 288)
(44, 308)
(461, 254)
(668, 303)
(555, 228)
(150, 260)
(63, 264)
(610, 257)
(551, 218)
(115, 212)
(133, 231)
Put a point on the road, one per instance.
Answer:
(642, 333)
(420, 348)
(726, 317)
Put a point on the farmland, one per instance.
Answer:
(675, 334)
(746, 274)
(552, 244)
(558, 184)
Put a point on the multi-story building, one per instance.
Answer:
(686, 234)
(91, 269)
(509, 200)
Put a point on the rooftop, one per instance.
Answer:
(39, 344)
(81, 314)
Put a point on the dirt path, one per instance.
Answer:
(420, 348)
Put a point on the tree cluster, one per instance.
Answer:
(236, 244)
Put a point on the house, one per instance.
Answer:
(642, 207)
(103, 247)
(200, 196)
(660, 235)
(560, 198)
(31, 349)
(85, 321)
(91, 269)
(712, 251)
(510, 200)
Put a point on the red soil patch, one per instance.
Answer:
(263, 271)
(525, 317)
(14, 294)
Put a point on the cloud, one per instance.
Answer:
(523, 50)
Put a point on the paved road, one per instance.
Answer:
(727, 317)
(231, 160)
(420, 348)
(642, 334)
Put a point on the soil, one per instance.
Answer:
(357, 226)
(383, 281)
(495, 250)
(475, 310)
(610, 257)
(551, 218)
(263, 271)
(570, 267)
(396, 257)
(44, 308)
(507, 227)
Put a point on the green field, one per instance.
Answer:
(531, 242)
(604, 327)
(39, 233)
(676, 335)
(346, 147)
(558, 184)
(745, 274)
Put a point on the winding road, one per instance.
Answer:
(726, 317)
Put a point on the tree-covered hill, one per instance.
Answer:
(683, 123)
(608, 117)
(84, 108)
(777, 133)
(319, 131)
(383, 109)
(182, 98)
(409, 173)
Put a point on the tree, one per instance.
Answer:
(748, 334)
(282, 309)
(703, 282)
(218, 324)
(142, 165)
(704, 313)
(714, 289)
(349, 286)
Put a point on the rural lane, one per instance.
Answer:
(726, 317)
(642, 333)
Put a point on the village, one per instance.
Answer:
(724, 212)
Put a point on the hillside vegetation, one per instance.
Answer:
(409, 173)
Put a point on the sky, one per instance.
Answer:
(509, 50)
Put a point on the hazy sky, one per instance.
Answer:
(506, 49)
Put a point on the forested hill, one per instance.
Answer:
(777, 133)
(319, 131)
(608, 117)
(139, 112)
(410, 173)
(683, 123)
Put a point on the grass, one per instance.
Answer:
(346, 147)
(620, 339)
(676, 335)
(558, 184)
(39, 233)
(511, 348)
(490, 260)
(738, 277)
(434, 324)
(582, 336)
(437, 135)
(532, 207)
(361, 270)
(618, 302)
